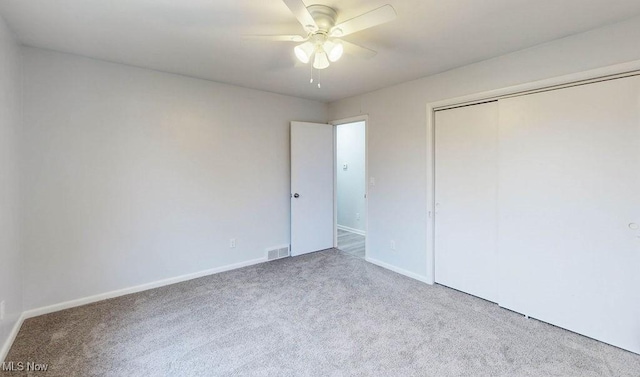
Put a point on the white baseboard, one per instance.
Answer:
(12, 336)
(121, 292)
(400, 271)
(352, 230)
(144, 287)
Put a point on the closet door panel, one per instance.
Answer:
(466, 189)
(569, 196)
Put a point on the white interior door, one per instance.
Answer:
(569, 200)
(466, 199)
(312, 173)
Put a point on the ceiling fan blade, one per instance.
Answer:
(373, 18)
(358, 51)
(299, 10)
(277, 38)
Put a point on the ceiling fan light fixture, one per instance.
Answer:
(322, 42)
(321, 60)
(334, 50)
(304, 51)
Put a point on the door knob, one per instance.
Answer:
(296, 195)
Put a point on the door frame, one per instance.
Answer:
(581, 78)
(359, 118)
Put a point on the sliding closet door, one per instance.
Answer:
(569, 190)
(466, 193)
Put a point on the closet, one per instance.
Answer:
(538, 206)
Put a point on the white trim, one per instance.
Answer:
(358, 118)
(614, 71)
(12, 337)
(139, 288)
(618, 70)
(351, 230)
(431, 191)
(335, 186)
(398, 270)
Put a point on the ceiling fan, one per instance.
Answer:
(323, 42)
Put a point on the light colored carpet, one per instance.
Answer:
(351, 243)
(324, 314)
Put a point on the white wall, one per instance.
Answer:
(132, 175)
(350, 150)
(10, 122)
(397, 129)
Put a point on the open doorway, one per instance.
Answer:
(351, 185)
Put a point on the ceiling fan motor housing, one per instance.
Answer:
(324, 16)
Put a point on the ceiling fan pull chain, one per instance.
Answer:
(311, 81)
(316, 78)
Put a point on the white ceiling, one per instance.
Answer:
(203, 38)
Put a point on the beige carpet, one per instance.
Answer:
(325, 314)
